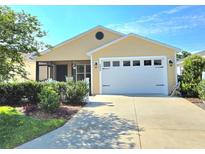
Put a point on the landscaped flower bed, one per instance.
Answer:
(63, 112)
(30, 109)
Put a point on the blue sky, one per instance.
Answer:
(180, 26)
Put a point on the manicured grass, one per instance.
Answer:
(16, 128)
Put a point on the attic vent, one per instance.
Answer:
(99, 35)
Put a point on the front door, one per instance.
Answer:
(61, 72)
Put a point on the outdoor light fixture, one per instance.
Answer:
(170, 62)
(95, 64)
(74, 66)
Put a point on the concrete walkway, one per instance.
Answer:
(130, 122)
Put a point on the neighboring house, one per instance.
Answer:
(30, 68)
(180, 66)
(180, 62)
(201, 53)
(115, 63)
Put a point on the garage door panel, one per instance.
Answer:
(133, 79)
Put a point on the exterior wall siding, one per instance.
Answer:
(30, 68)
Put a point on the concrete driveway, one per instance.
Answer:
(130, 122)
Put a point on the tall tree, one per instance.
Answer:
(183, 54)
(20, 34)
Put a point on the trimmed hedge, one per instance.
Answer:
(18, 94)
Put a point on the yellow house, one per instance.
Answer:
(114, 62)
(30, 68)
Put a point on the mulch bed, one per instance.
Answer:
(198, 102)
(194, 100)
(63, 112)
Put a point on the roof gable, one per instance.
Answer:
(132, 35)
(79, 36)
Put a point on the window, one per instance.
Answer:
(99, 35)
(126, 63)
(80, 77)
(115, 63)
(147, 62)
(158, 62)
(88, 69)
(80, 68)
(136, 63)
(82, 71)
(106, 64)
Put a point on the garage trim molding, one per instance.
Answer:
(130, 58)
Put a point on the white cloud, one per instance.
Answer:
(161, 22)
(176, 9)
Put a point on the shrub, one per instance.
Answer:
(59, 87)
(201, 90)
(192, 75)
(49, 99)
(76, 92)
(19, 93)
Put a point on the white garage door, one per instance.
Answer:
(133, 75)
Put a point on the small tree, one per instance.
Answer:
(20, 33)
(182, 55)
(194, 65)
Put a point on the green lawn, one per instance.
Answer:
(16, 128)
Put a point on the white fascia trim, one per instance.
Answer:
(79, 36)
(135, 35)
